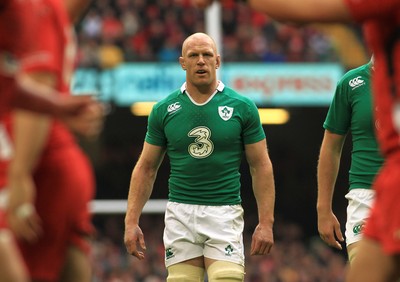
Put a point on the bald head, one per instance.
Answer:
(198, 38)
(200, 60)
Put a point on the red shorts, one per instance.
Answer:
(65, 186)
(383, 224)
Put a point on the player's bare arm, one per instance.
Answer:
(30, 137)
(141, 187)
(264, 191)
(82, 114)
(327, 171)
(296, 11)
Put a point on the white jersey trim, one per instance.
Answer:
(220, 88)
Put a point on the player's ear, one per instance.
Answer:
(182, 62)
(218, 63)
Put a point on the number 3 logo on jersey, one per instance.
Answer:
(202, 146)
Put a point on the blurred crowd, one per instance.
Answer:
(119, 31)
(294, 258)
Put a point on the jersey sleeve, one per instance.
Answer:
(339, 114)
(17, 27)
(367, 9)
(155, 134)
(252, 131)
(43, 57)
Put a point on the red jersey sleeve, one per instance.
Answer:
(46, 56)
(17, 25)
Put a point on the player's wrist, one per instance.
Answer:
(25, 210)
(324, 207)
(266, 220)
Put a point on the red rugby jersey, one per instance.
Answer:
(381, 24)
(17, 22)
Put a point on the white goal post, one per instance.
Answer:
(119, 206)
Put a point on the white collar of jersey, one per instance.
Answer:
(220, 86)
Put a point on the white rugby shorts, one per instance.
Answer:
(215, 232)
(358, 208)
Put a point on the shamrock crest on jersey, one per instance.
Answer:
(225, 112)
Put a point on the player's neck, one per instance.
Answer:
(201, 94)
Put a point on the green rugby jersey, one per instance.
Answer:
(351, 110)
(205, 144)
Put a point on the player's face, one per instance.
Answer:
(200, 60)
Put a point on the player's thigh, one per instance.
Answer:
(77, 267)
(191, 270)
(224, 271)
(12, 268)
(372, 264)
(352, 251)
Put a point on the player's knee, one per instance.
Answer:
(182, 272)
(225, 271)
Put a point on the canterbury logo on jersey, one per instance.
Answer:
(174, 107)
(356, 82)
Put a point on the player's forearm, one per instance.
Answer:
(264, 192)
(37, 99)
(304, 11)
(327, 172)
(141, 187)
(30, 137)
(35, 92)
(21, 186)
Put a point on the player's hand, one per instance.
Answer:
(21, 213)
(25, 223)
(133, 239)
(89, 121)
(329, 229)
(262, 240)
(67, 106)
